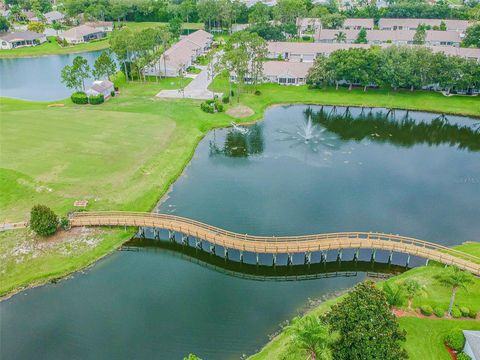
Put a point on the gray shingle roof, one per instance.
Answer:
(22, 35)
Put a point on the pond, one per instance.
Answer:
(38, 78)
(301, 170)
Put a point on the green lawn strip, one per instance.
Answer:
(425, 337)
(50, 259)
(432, 294)
(51, 47)
(152, 24)
(419, 100)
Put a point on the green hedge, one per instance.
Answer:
(439, 312)
(95, 100)
(456, 313)
(465, 311)
(455, 339)
(79, 97)
(463, 356)
(426, 310)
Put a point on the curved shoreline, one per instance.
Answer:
(166, 188)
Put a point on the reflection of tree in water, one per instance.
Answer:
(240, 144)
(383, 127)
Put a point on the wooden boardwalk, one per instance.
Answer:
(281, 245)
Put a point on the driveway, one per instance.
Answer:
(198, 87)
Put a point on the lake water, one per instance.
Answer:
(357, 171)
(38, 78)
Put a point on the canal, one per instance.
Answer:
(301, 170)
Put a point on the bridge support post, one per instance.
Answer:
(408, 261)
(257, 258)
(156, 234)
(426, 263)
(290, 259)
(241, 257)
(355, 255)
(274, 260)
(339, 255)
(323, 257)
(308, 258)
(374, 254)
(171, 235)
(198, 244)
(184, 239)
(390, 257)
(125, 228)
(225, 253)
(212, 249)
(141, 232)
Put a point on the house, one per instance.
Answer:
(304, 51)
(106, 26)
(467, 53)
(397, 37)
(472, 344)
(308, 26)
(81, 34)
(54, 17)
(358, 24)
(412, 24)
(104, 87)
(20, 39)
(30, 15)
(181, 55)
(286, 72)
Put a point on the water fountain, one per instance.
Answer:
(239, 129)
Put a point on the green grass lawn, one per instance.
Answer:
(52, 48)
(425, 336)
(149, 24)
(419, 100)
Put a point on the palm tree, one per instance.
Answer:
(412, 288)
(340, 37)
(393, 295)
(312, 336)
(455, 279)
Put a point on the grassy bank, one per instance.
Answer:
(51, 47)
(418, 100)
(424, 335)
(124, 154)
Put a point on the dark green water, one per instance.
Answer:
(369, 174)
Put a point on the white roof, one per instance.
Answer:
(286, 68)
(472, 337)
(413, 23)
(309, 48)
(54, 16)
(79, 32)
(354, 22)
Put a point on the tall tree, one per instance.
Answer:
(321, 73)
(104, 66)
(4, 24)
(367, 327)
(260, 15)
(312, 337)
(412, 288)
(340, 37)
(175, 27)
(472, 36)
(420, 35)
(287, 11)
(362, 36)
(74, 76)
(455, 279)
(121, 42)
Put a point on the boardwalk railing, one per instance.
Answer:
(284, 244)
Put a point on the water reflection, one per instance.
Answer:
(385, 127)
(240, 142)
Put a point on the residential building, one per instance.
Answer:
(20, 39)
(81, 34)
(286, 72)
(304, 51)
(30, 15)
(54, 17)
(308, 52)
(412, 24)
(106, 26)
(358, 24)
(472, 344)
(181, 55)
(398, 37)
(103, 87)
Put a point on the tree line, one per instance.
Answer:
(395, 67)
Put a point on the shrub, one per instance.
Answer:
(472, 314)
(65, 223)
(79, 97)
(206, 107)
(465, 311)
(455, 339)
(119, 79)
(112, 93)
(232, 93)
(219, 106)
(96, 99)
(226, 99)
(463, 356)
(426, 310)
(456, 313)
(258, 92)
(306, 37)
(439, 312)
(43, 220)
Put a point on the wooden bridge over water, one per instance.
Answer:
(280, 245)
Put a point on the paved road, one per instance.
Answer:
(197, 89)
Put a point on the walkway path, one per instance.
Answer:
(282, 245)
(197, 88)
